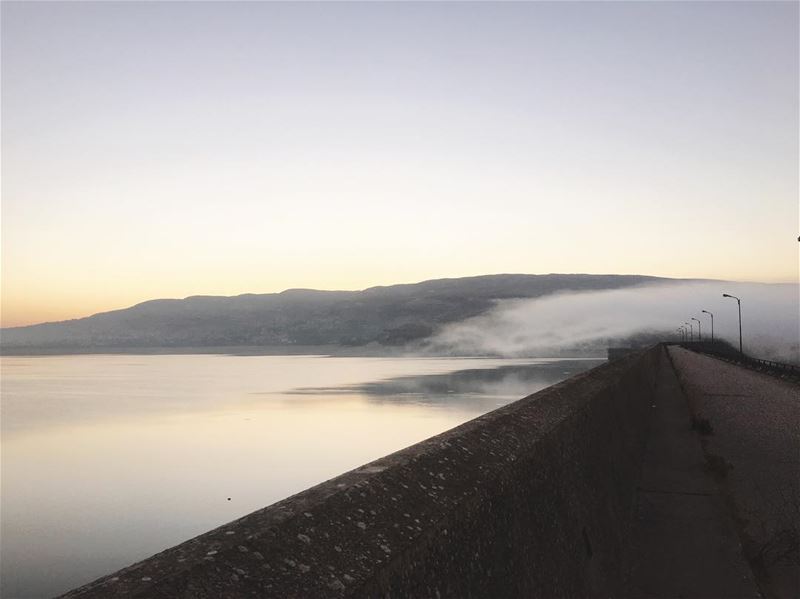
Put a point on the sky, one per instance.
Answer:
(168, 149)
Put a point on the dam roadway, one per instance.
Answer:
(666, 473)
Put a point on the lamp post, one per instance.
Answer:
(712, 324)
(699, 331)
(691, 330)
(682, 333)
(739, 304)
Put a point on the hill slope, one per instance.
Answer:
(391, 315)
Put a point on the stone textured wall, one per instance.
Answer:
(532, 499)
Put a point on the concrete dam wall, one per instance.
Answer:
(533, 499)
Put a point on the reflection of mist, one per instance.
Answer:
(591, 321)
(474, 389)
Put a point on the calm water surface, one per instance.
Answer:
(109, 459)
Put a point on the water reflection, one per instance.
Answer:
(109, 459)
(471, 389)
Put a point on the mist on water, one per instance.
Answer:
(590, 321)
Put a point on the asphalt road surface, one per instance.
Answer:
(754, 451)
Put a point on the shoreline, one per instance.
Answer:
(364, 351)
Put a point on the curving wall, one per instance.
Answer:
(532, 499)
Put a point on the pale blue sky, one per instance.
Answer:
(169, 149)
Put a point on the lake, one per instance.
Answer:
(107, 459)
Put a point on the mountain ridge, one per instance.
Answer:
(389, 315)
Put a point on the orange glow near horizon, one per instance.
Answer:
(488, 145)
(40, 304)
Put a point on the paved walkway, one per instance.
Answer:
(684, 542)
(755, 451)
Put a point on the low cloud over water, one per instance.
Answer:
(590, 321)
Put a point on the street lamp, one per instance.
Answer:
(699, 332)
(712, 324)
(739, 303)
(683, 333)
(691, 330)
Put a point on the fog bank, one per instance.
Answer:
(590, 321)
